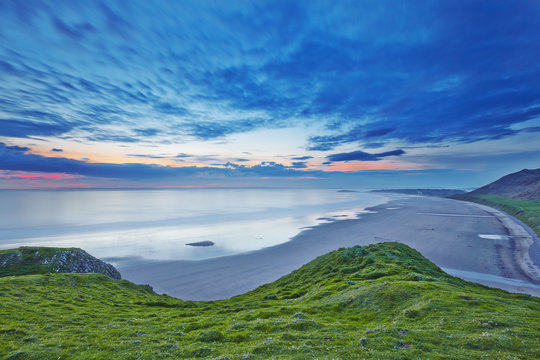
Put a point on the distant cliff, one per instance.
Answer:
(45, 260)
(521, 185)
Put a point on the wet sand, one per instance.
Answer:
(476, 243)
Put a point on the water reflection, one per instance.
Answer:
(157, 224)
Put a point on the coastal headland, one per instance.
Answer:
(476, 243)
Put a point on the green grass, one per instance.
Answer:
(383, 301)
(527, 211)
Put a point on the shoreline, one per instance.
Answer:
(239, 221)
(523, 240)
(448, 232)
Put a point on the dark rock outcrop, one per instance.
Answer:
(43, 260)
(201, 243)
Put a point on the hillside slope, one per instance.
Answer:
(383, 301)
(44, 260)
(521, 185)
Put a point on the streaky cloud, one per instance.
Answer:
(25, 128)
(18, 148)
(147, 132)
(170, 109)
(362, 156)
(357, 134)
(390, 153)
(302, 157)
(213, 130)
(145, 156)
(299, 165)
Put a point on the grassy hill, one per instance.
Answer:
(383, 301)
(521, 185)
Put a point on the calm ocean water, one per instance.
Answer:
(157, 224)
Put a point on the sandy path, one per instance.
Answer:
(445, 231)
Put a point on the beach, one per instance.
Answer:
(476, 243)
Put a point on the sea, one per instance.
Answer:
(159, 224)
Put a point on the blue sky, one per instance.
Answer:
(277, 93)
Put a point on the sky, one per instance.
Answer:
(360, 94)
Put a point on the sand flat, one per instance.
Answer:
(449, 241)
